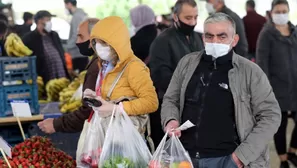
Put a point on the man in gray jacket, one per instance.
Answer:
(78, 15)
(227, 97)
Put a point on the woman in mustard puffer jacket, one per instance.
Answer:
(111, 42)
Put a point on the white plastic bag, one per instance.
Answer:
(124, 147)
(171, 153)
(89, 154)
(78, 93)
(80, 145)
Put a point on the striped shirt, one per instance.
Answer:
(54, 64)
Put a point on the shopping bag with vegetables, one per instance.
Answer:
(92, 144)
(171, 153)
(124, 147)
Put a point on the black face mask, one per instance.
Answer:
(185, 28)
(84, 48)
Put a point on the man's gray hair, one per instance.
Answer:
(220, 17)
(91, 22)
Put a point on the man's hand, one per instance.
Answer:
(47, 126)
(237, 161)
(106, 109)
(171, 127)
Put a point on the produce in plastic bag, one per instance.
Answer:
(171, 153)
(93, 143)
(124, 147)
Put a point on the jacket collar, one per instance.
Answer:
(235, 58)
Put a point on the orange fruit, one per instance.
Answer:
(185, 164)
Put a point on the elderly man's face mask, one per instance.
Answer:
(219, 38)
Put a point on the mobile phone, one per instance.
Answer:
(92, 102)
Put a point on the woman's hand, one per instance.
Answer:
(89, 93)
(106, 109)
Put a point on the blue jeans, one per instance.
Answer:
(220, 162)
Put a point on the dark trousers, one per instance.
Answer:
(157, 132)
(220, 162)
(280, 139)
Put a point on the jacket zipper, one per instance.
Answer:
(206, 85)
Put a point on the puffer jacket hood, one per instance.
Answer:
(115, 33)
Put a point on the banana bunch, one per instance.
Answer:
(54, 87)
(67, 104)
(14, 46)
(71, 106)
(40, 85)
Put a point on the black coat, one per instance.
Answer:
(277, 56)
(166, 51)
(142, 41)
(21, 30)
(33, 40)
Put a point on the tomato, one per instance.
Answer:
(155, 164)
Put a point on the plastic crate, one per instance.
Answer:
(14, 69)
(18, 92)
(66, 142)
(12, 134)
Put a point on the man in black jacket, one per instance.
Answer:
(214, 6)
(23, 29)
(47, 47)
(3, 33)
(168, 48)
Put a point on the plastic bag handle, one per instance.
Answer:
(112, 115)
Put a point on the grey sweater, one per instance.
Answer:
(78, 16)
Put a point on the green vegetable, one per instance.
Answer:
(120, 162)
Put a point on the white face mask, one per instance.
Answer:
(103, 52)
(48, 26)
(280, 19)
(210, 9)
(217, 49)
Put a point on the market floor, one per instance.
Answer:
(275, 163)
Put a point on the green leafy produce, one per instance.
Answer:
(118, 162)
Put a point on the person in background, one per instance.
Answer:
(253, 24)
(4, 18)
(227, 97)
(214, 6)
(47, 47)
(83, 36)
(110, 40)
(143, 21)
(167, 50)
(21, 30)
(276, 55)
(3, 33)
(78, 15)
